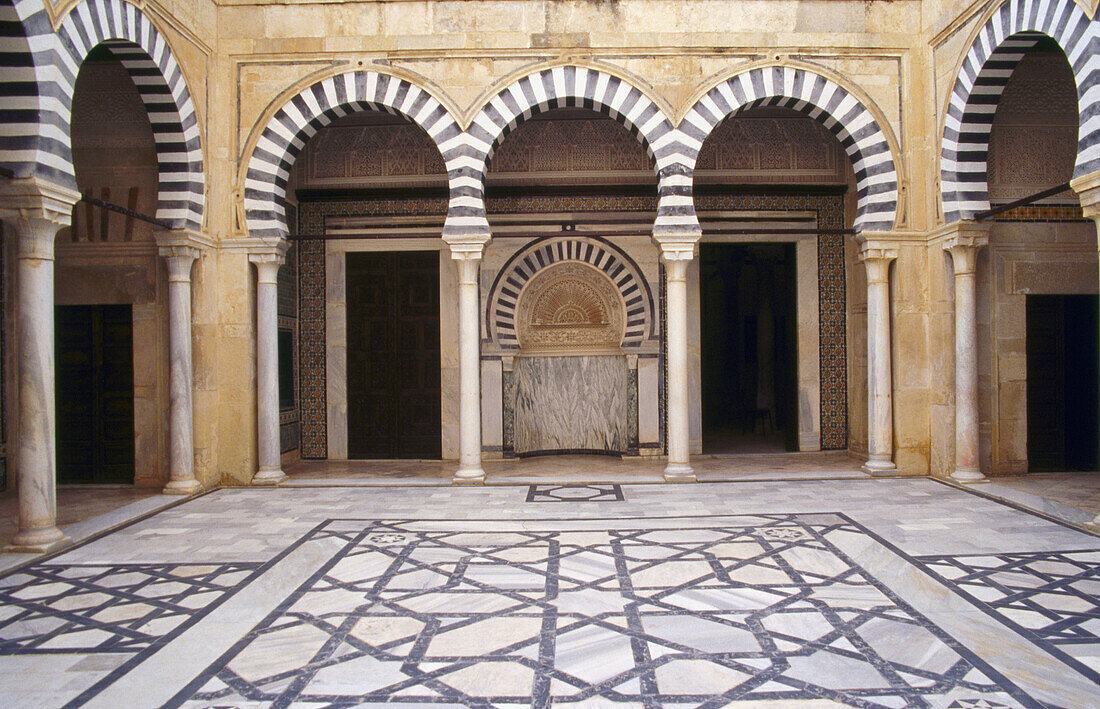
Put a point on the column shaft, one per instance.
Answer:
(966, 368)
(181, 472)
(469, 372)
(678, 468)
(35, 455)
(880, 408)
(267, 371)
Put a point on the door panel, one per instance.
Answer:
(95, 394)
(394, 406)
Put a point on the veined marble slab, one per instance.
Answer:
(572, 403)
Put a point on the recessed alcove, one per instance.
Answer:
(571, 380)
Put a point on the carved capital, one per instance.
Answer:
(876, 258)
(180, 260)
(1087, 188)
(962, 240)
(681, 247)
(30, 198)
(168, 238)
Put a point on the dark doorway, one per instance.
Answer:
(394, 406)
(749, 347)
(1063, 406)
(95, 394)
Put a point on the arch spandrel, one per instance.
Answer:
(304, 113)
(863, 138)
(995, 50)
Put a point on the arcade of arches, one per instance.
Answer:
(237, 231)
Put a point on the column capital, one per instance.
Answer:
(268, 256)
(180, 259)
(965, 233)
(1087, 188)
(681, 246)
(963, 240)
(30, 198)
(182, 238)
(466, 250)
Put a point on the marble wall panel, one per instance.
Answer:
(571, 404)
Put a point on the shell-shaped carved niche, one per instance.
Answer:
(570, 309)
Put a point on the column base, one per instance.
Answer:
(880, 468)
(969, 476)
(679, 473)
(37, 541)
(268, 476)
(182, 487)
(469, 476)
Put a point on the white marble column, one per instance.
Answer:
(677, 256)
(181, 440)
(963, 245)
(37, 211)
(470, 472)
(1087, 188)
(267, 262)
(880, 407)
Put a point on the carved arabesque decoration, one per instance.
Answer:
(570, 309)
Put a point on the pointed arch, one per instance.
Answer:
(300, 117)
(581, 87)
(822, 99)
(996, 50)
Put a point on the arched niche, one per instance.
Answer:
(572, 384)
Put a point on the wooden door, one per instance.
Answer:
(393, 370)
(95, 394)
(1062, 408)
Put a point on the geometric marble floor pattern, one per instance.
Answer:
(904, 593)
(760, 608)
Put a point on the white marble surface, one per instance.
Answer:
(571, 403)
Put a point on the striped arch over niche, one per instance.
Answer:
(500, 314)
(999, 46)
(315, 107)
(826, 102)
(580, 87)
(36, 136)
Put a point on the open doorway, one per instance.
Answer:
(749, 348)
(1063, 411)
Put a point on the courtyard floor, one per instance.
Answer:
(758, 592)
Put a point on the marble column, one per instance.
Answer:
(963, 245)
(470, 472)
(267, 263)
(677, 257)
(181, 440)
(880, 407)
(1087, 188)
(37, 211)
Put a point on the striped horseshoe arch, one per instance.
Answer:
(500, 314)
(574, 86)
(36, 139)
(824, 101)
(315, 107)
(999, 46)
